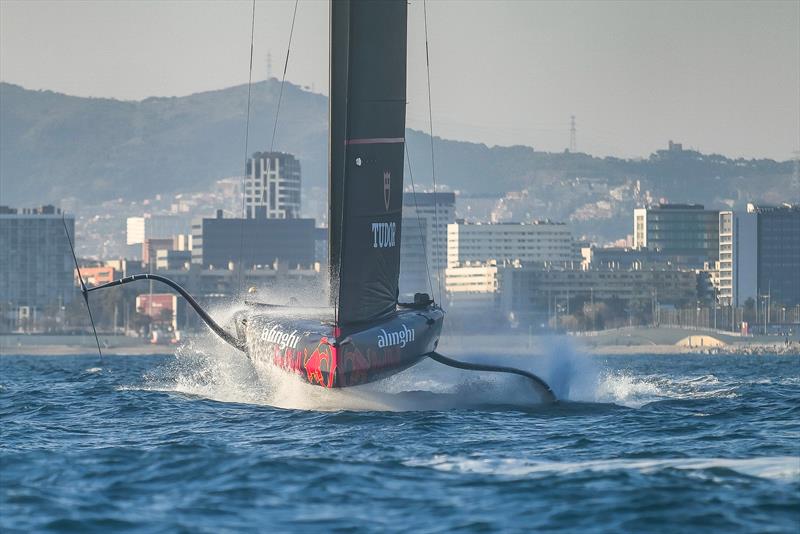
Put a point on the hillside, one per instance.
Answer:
(54, 145)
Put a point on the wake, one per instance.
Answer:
(206, 368)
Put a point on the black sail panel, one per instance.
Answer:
(368, 103)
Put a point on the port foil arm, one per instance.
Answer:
(542, 388)
(212, 324)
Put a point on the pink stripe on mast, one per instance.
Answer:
(375, 141)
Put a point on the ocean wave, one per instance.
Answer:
(785, 468)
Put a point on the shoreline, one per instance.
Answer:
(602, 350)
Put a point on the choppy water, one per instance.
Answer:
(197, 442)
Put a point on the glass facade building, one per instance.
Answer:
(687, 232)
(778, 252)
(36, 266)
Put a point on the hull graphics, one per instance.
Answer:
(324, 357)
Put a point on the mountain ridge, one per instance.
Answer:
(54, 145)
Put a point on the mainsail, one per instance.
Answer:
(367, 128)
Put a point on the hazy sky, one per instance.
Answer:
(717, 76)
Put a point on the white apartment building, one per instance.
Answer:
(272, 186)
(738, 258)
(533, 242)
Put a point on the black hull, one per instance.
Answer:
(323, 356)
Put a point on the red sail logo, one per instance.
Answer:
(387, 188)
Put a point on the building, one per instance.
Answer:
(623, 257)
(94, 276)
(152, 246)
(687, 232)
(759, 255)
(149, 226)
(36, 265)
(472, 288)
(162, 308)
(533, 242)
(272, 186)
(221, 243)
(423, 239)
(530, 292)
(737, 279)
(414, 269)
(167, 259)
(472, 278)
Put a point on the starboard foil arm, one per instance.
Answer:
(542, 388)
(212, 324)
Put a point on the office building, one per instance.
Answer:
(414, 268)
(687, 232)
(150, 249)
(167, 259)
(530, 291)
(36, 266)
(94, 276)
(156, 227)
(423, 240)
(778, 252)
(221, 243)
(472, 288)
(533, 242)
(272, 186)
(623, 257)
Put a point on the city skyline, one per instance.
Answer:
(682, 67)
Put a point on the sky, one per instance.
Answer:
(721, 77)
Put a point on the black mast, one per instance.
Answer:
(367, 129)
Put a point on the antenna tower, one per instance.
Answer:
(572, 134)
(269, 65)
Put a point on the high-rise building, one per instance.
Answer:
(778, 252)
(423, 239)
(36, 266)
(533, 242)
(272, 186)
(738, 258)
(759, 255)
(687, 232)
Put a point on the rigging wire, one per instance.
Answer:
(246, 150)
(283, 79)
(433, 160)
(419, 219)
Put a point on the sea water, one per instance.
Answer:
(198, 441)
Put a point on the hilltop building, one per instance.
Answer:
(272, 186)
(687, 232)
(36, 267)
